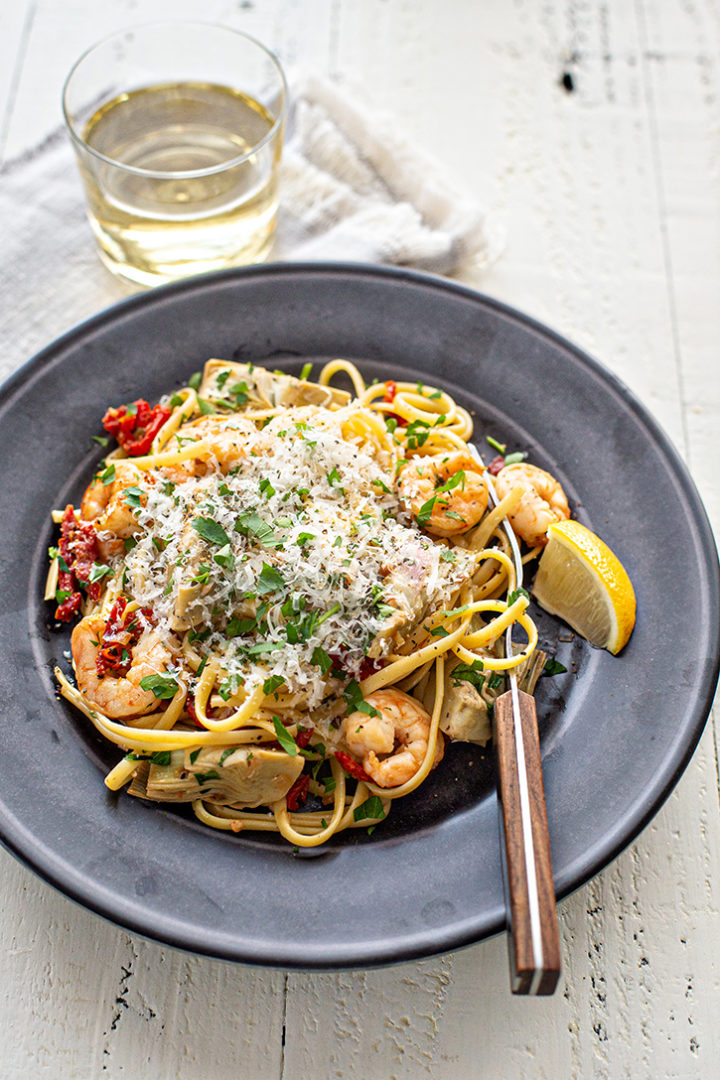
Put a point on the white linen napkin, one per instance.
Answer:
(352, 188)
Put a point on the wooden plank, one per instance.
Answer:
(683, 83)
(609, 197)
(89, 999)
(15, 23)
(533, 935)
(577, 176)
(62, 32)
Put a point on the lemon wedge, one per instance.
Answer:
(583, 582)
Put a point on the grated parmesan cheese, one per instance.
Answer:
(290, 549)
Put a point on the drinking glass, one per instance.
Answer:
(178, 129)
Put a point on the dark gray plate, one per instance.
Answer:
(617, 732)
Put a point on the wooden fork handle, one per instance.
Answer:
(534, 942)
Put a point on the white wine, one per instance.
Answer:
(182, 178)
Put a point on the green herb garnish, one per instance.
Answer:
(225, 557)
(162, 686)
(321, 659)
(425, 512)
(371, 808)
(162, 757)
(133, 497)
(98, 571)
(271, 685)
(284, 737)
(210, 530)
(553, 667)
(355, 701)
(469, 673)
(251, 524)
(270, 580)
(501, 447)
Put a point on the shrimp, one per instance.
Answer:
(226, 440)
(119, 697)
(543, 503)
(446, 493)
(400, 731)
(104, 505)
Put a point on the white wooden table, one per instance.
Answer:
(610, 192)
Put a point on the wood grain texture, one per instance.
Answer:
(534, 949)
(592, 128)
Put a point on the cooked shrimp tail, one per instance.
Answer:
(543, 501)
(446, 493)
(399, 730)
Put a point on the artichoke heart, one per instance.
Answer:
(259, 388)
(465, 712)
(246, 777)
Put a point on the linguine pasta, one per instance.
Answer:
(289, 597)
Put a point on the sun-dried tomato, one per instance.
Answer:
(122, 632)
(297, 793)
(303, 737)
(78, 548)
(351, 766)
(136, 425)
(369, 667)
(70, 606)
(496, 465)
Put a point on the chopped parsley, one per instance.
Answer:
(251, 524)
(457, 480)
(211, 531)
(371, 808)
(162, 686)
(98, 572)
(203, 778)
(355, 701)
(417, 433)
(240, 392)
(284, 737)
(471, 673)
(270, 580)
(133, 497)
(501, 447)
(553, 667)
(321, 659)
(425, 512)
(225, 557)
(162, 757)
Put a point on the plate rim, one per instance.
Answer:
(429, 940)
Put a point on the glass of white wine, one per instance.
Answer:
(178, 132)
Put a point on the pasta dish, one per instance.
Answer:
(289, 595)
